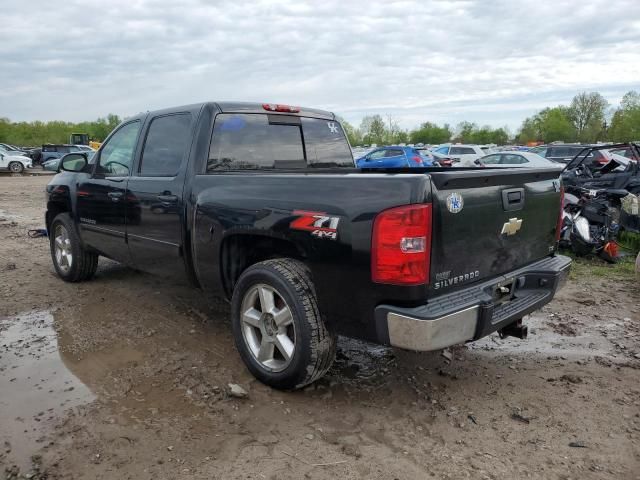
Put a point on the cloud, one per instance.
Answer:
(493, 62)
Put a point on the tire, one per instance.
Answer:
(256, 327)
(16, 167)
(70, 260)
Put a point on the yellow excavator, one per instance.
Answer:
(83, 139)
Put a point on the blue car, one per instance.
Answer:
(393, 157)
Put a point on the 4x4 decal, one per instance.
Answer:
(319, 224)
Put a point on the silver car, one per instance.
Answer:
(517, 159)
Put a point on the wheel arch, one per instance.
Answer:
(55, 208)
(239, 251)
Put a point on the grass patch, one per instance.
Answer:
(596, 267)
(630, 241)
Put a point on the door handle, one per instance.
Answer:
(513, 199)
(168, 198)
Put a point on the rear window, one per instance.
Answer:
(259, 141)
(462, 151)
(393, 152)
(326, 144)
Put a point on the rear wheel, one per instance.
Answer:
(277, 327)
(16, 167)
(71, 261)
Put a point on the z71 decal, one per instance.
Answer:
(318, 223)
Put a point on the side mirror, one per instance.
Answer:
(73, 162)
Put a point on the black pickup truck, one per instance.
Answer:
(261, 204)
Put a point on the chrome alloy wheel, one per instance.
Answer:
(62, 248)
(267, 327)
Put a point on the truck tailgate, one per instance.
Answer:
(488, 222)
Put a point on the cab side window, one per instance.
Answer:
(491, 159)
(116, 156)
(166, 145)
(377, 154)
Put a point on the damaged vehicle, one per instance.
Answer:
(616, 173)
(262, 204)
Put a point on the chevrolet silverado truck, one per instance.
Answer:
(262, 204)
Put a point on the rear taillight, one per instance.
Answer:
(602, 161)
(401, 245)
(417, 159)
(559, 223)
(274, 107)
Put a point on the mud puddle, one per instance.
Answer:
(35, 384)
(550, 335)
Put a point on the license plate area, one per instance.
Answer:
(504, 291)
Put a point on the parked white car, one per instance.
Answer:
(13, 163)
(517, 159)
(460, 155)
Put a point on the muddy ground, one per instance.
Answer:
(126, 376)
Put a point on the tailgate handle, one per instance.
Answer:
(513, 199)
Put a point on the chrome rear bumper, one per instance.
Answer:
(472, 313)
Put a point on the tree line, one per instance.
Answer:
(56, 131)
(374, 129)
(587, 119)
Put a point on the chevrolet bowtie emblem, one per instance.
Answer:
(511, 227)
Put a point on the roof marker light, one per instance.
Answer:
(276, 107)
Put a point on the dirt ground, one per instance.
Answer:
(126, 377)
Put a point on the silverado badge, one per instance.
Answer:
(511, 227)
(454, 202)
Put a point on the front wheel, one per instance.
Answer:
(71, 261)
(16, 167)
(277, 327)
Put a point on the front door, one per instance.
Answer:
(155, 197)
(101, 196)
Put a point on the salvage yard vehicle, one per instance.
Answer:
(589, 221)
(51, 151)
(393, 157)
(262, 204)
(562, 152)
(13, 162)
(611, 175)
(516, 159)
(458, 155)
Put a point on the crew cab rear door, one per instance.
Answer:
(490, 221)
(155, 207)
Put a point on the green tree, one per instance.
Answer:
(586, 112)
(625, 123)
(555, 125)
(465, 131)
(431, 133)
(353, 134)
(373, 130)
(529, 131)
(548, 125)
(55, 131)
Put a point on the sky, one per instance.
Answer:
(490, 62)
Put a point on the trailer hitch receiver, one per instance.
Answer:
(515, 329)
